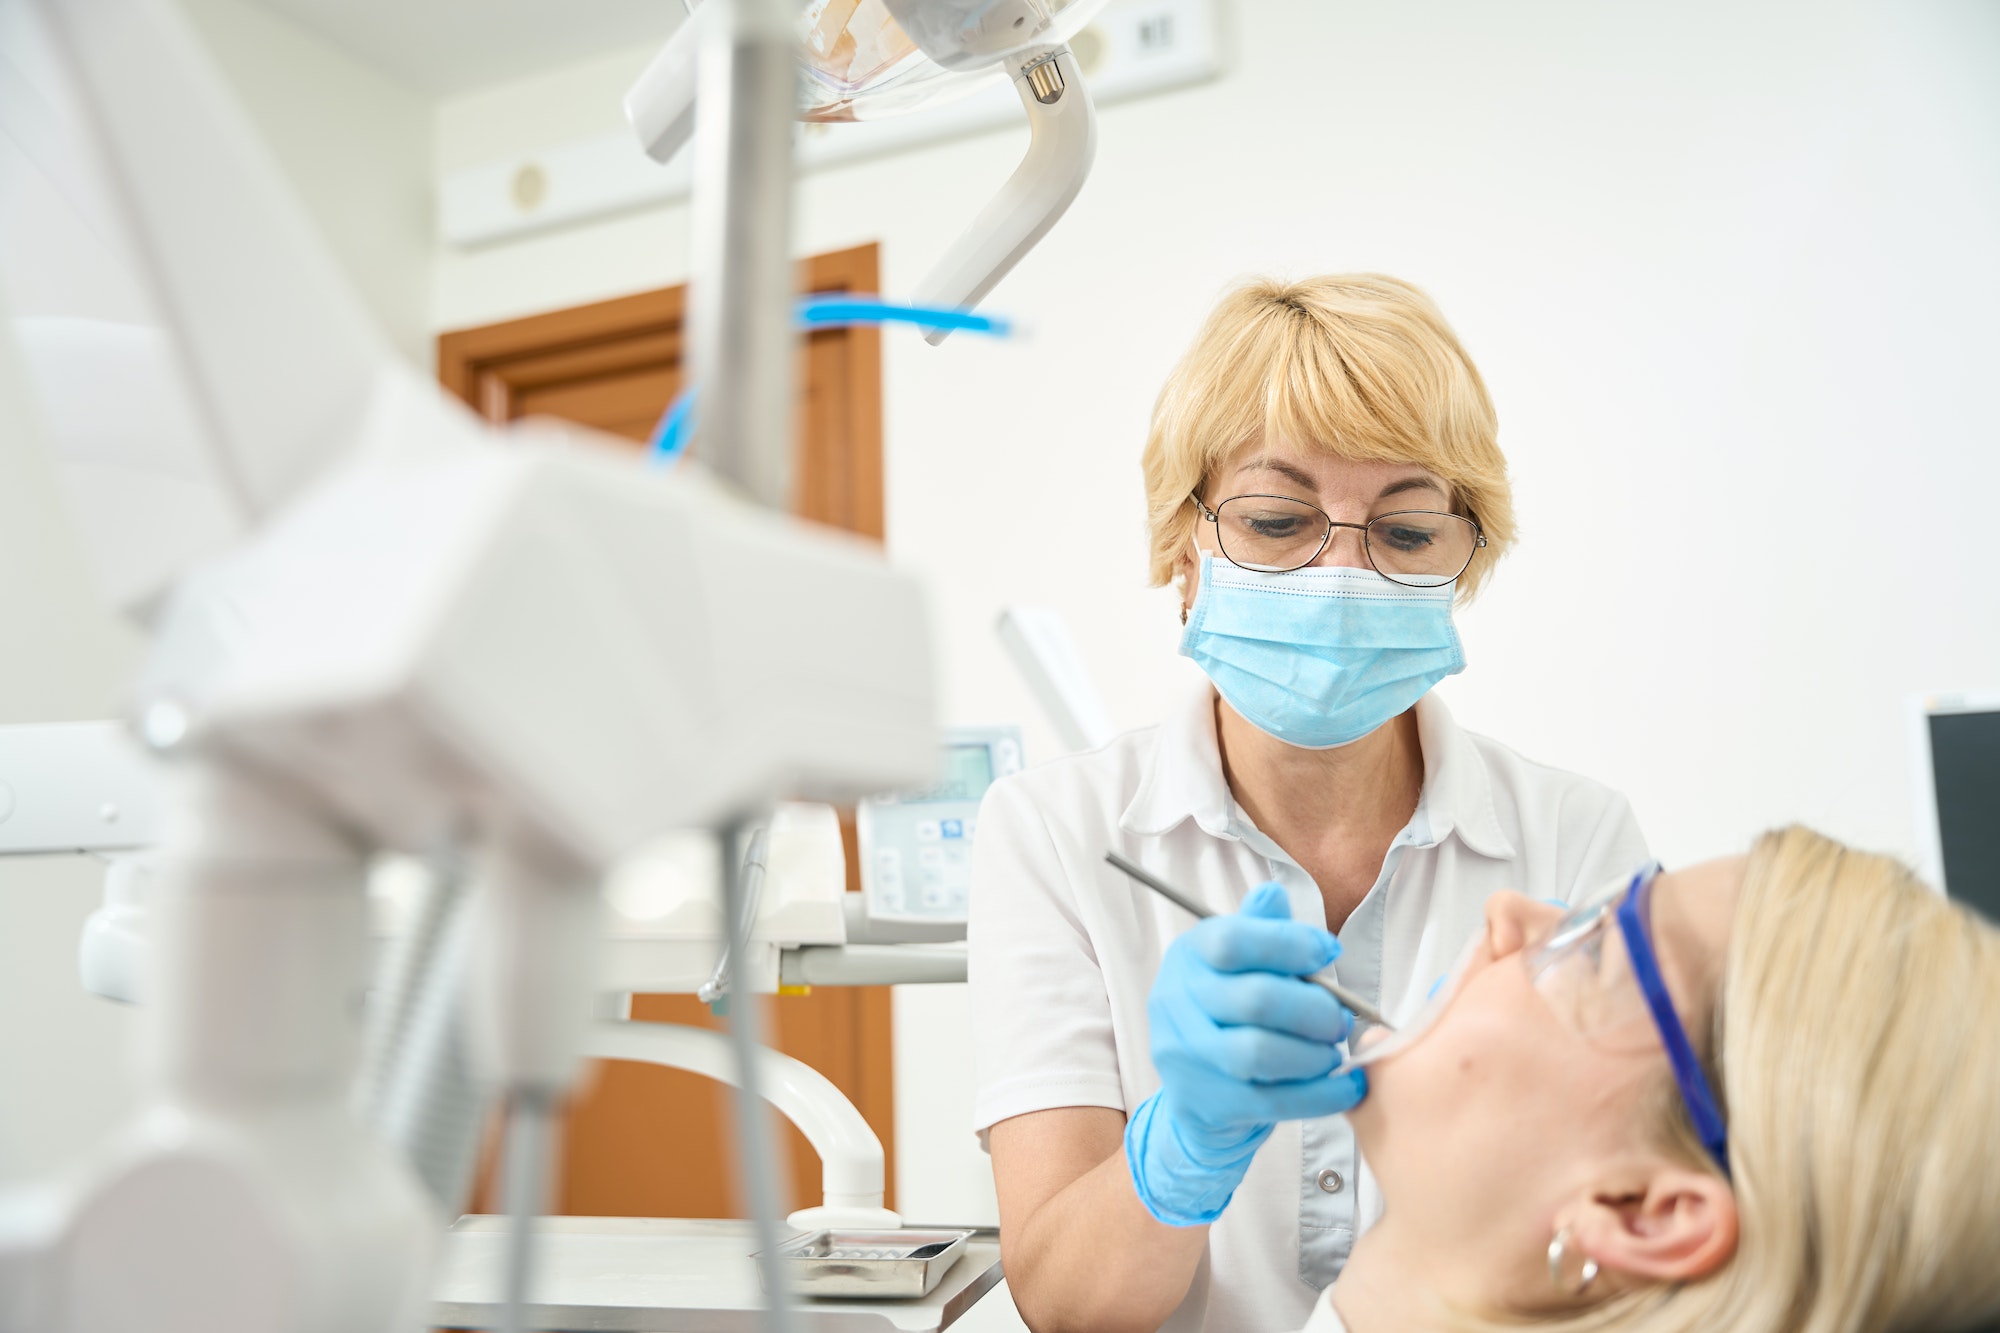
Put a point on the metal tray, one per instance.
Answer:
(875, 1264)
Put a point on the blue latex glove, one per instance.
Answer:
(1241, 1042)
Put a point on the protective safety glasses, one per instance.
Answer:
(1605, 985)
(1603, 982)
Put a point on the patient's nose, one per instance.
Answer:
(1512, 919)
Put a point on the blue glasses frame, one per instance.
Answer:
(1634, 922)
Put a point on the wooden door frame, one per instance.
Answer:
(480, 366)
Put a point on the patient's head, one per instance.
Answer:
(1842, 1015)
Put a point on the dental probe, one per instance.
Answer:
(1357, 1006)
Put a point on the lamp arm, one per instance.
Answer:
(1063, 127)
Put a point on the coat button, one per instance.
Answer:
(1330, 1181)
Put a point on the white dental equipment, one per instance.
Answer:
(75, 787)
(864, 59)
(916, 847)
(87, 787)
(374, 628)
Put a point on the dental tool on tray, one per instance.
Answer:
(1359, 1007)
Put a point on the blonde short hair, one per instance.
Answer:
(1359, 365)
(1855, 1040)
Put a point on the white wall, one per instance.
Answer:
(1729, 270)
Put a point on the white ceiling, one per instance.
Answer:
(443, 47)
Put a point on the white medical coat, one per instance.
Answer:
(1325, 1319)
(1064, 950)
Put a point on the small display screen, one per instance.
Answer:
(1965, 768)
(968, 772)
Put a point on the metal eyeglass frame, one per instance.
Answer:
(1214, 516)
(1634, 917)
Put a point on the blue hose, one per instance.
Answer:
(839, 310)
(821, 312)
(670, 437)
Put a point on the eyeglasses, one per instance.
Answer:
(1275, 533)
(1584, 982)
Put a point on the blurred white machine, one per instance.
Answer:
(378, 627)
(87, 787)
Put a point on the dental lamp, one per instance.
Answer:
(868, 59)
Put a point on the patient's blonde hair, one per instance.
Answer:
(1358, 365)
(1861, 1064)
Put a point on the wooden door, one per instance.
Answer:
(643, 1141)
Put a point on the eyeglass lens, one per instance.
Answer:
(1272, 533)
(1581, 971)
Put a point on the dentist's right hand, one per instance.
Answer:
(1241, 1041)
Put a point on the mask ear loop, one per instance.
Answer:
(1199, 556)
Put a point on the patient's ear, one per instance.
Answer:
(1670, 1225)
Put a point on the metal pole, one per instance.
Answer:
(757, 1148)
(741, 357)
(741, 318)
(524, 1191)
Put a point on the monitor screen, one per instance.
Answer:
(968, 772)
(1965, 768)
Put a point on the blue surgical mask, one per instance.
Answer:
(1319, 656)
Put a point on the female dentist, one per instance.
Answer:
(1323, 483)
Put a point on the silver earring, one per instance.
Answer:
(1557, 1248)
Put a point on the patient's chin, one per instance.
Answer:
(1385, 1085)
(1368, 1114)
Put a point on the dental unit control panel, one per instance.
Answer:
(916, 848)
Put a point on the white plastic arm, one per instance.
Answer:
(76, 787)
(660, 106)
(850, 1155)
(1063, 126)
(1045, 653)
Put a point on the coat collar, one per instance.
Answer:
(1183, 779)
